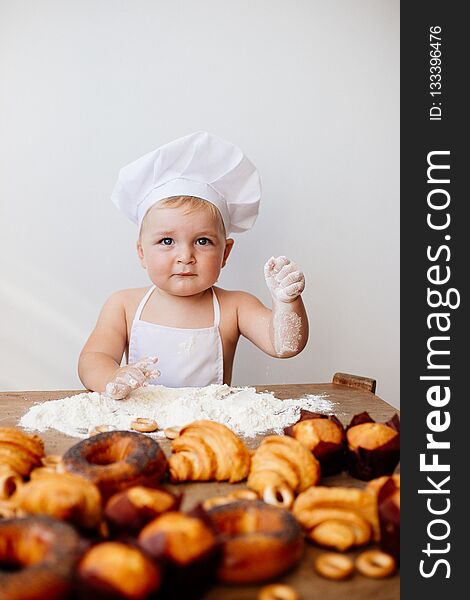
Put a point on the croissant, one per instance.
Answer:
(20, 451)
(61, 495)
(338, 517)
(282, 467)
(206, 450)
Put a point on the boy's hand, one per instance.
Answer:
(130, 377)
(284, 279)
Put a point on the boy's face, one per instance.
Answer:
(182, 252)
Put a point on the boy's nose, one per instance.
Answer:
(186, 257)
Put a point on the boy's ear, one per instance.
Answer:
(228, 248)
(140, 252)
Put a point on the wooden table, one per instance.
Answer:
(350, 394)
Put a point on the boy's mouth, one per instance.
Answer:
(185, 274)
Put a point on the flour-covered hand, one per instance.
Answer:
(284, 279)
(128, 378)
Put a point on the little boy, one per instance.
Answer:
(186, 197)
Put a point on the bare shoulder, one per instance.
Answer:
(236, 298)
(124, 301)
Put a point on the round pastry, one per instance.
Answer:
(178, 538)
(373, 449)
(172, 433)
(63, 496)
(117, 460)
(334, 566)
(375, 564)
(144, 425)
(188, 547)
(277, 591)
(37, 558)
(260, 541)
(131, 509)
(101, 429)
(370, 436)
(114, 569)
(324, 436)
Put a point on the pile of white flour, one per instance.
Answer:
(245, 411)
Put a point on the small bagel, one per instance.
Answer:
(144, 425)
(334, 566)
(375, 564)
(271, 496)
(101, 429)
(333, 534)
(277, 591)
(172, 433)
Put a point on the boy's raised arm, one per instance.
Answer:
(283, 331)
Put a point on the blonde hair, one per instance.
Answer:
(191, 204)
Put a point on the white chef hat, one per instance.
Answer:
(199, 164)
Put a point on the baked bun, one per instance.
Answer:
(188, 547)
(373, 449)
(117, 570)
(128, 511)
(324, 436)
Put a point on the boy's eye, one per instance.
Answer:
(203, 241)
(166, 241)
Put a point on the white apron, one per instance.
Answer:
(186, 357)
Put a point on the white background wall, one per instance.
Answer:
(309, 89)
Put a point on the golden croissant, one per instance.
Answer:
(206, 450)
(20, 451)
(327, 513)
(282, 467)
(61, 495)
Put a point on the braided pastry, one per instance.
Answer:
(337, 517)
(282, 467)
(20, 451)
(206, 450)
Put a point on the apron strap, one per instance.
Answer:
(216, 308)
(143, 302)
